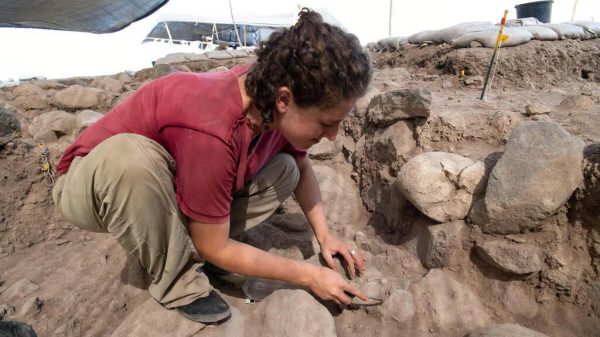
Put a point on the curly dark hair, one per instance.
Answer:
(319, 62)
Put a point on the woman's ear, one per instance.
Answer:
(283, 99)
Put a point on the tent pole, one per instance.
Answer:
(390, 21)
(237, 34)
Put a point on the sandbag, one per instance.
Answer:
(516, 36)
(522, 22)
(373, 47)
(452, 32)
(392, 43)
(590, 26)
(428, 36)
(541, 33)
(569, 31)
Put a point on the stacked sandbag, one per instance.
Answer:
(570, 31)
(516, 36)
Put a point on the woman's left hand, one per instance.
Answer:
(330, 246)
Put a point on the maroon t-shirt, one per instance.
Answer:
(197, 118)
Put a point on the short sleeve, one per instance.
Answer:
(205, 174)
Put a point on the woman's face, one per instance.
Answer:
(304, 127)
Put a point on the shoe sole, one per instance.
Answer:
(207, 318)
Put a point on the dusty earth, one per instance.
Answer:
(438, 277)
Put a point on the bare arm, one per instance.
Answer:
(308, 195)
(213, 243)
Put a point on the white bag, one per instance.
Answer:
(569, 31)
(542, 33)
(516, 36)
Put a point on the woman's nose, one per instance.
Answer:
(331, 133)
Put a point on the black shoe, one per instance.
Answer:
(209, 309)
(211, 268)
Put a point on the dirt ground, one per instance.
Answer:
(88, 286)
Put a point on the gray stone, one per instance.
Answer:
(506, 330)
(151, 319)
(52, 125)
(393, 143)
(48, 84)
(107, 83)
(31, 306)
(444, 245)
(536, 175)
(160, 70)
(576, 102)
(238, 53)
(9, 126)
(340, 196)
(516, 258)
(362, 104)
(20, 289)
(434, 183)
(28, 89)
(219, 55)
(295, 313)
(536, 109)
(451, 307)
(78, 97)
(180, 58)
(389, 107)
(400, 305)
(86, 118)
(520, 302)
(323, 150)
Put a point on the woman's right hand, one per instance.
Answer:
(330, 285)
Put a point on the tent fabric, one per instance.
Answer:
(92, 16)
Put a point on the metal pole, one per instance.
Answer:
(492, 67)
(237, 34)
(390, 21)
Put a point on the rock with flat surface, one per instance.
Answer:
(441, 185)
(52, 125)
(151, 319)
(400, 306)
(20, 289)
(506, 330)
(78, 97)
(536, 109)
(516, 258)
(339, 194)
(536, 175)
(389, 107)
(444, 245)
(295, 313)
(86, 118)
(452, 308)
(107, 83)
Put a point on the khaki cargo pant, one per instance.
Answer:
(125, 186)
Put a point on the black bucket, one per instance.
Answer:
(541, 10)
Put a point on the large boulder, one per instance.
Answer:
(389, 107)
(506, 330)
(295, 313)
(536, 175)
(107, 83)
(441, 185)
(52, 125)
(516, 258)
(339, 194)
(9, 126)
(78, 97)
